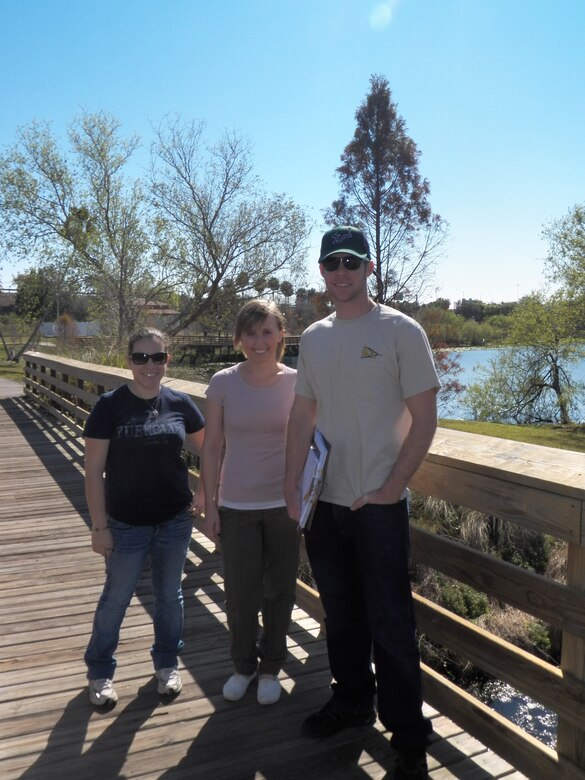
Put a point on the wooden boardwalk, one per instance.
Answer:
(49, 584)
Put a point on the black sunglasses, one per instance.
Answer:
(141, 358)
(349, 263)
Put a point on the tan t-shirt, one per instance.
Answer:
(254, 424)
(360, 371)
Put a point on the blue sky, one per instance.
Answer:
(491, 92)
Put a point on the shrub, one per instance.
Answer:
(463, 600)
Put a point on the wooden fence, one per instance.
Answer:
(535, 487)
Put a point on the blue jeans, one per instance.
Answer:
(167, 545)
(360, 563)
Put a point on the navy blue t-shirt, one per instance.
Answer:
(146, 472)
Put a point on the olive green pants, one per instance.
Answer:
(260, 553)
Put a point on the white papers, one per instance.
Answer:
(311, 482)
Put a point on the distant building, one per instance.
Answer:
(50, 329)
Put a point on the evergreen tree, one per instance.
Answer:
(383, 193)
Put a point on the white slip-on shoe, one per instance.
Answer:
(102, 692)
(237, 685)
(169, 681)
(269, 689)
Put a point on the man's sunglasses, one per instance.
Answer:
(349, 263)
(141, 358)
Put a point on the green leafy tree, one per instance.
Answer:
(530, 382)
(383, 192)
(216, 222)
(34, 301)
(221, 317)
(260, 285)
(273, 285)
(442, 327)
(566, 255)
(40, 294)
(287, 289)
(81, 210)
(471, 334)
(470, 309)
(34, 295)
(48, 292)
(496, 329)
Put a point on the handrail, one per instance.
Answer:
(196, 340)
(536, 487)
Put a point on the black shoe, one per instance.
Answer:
(411, 765)
(337, 715)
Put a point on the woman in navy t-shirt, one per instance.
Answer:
(140, 503)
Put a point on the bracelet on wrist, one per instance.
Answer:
(97, 530)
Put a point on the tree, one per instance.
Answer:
(48, 291)
(383, 193)
(81, 212)
(442, 326)
(470, 309)
(221, 317)
(287, 289)
(67, 330)
(39, 294)
(566, 255)
(216, 222)
(448, 369)
(273, 285)
(121, 261)
(530, 382)
(35, 296)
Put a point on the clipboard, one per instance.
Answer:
(311, 482)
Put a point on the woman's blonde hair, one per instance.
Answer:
(252, 314)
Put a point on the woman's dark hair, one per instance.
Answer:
(147, 333)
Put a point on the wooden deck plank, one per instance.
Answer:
(49, 585)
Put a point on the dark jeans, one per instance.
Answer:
(360, 563)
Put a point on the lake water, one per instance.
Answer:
(470, 359)
(523, 711)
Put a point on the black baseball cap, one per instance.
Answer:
(344, 239)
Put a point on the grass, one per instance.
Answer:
(563, 437)
(11, 370)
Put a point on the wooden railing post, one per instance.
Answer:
(570, 739)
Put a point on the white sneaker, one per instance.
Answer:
(102, 692)
(169, 681)
(237, 685)
(269, 689)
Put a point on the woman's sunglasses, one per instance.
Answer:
(349, 263)
(141, 358)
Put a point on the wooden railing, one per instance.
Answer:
(215, 340)
(535, 487)
(186, 339)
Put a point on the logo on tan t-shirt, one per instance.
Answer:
(368, 352)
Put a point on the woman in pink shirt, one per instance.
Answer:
(247, 410)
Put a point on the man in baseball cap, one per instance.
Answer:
(367, 380)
